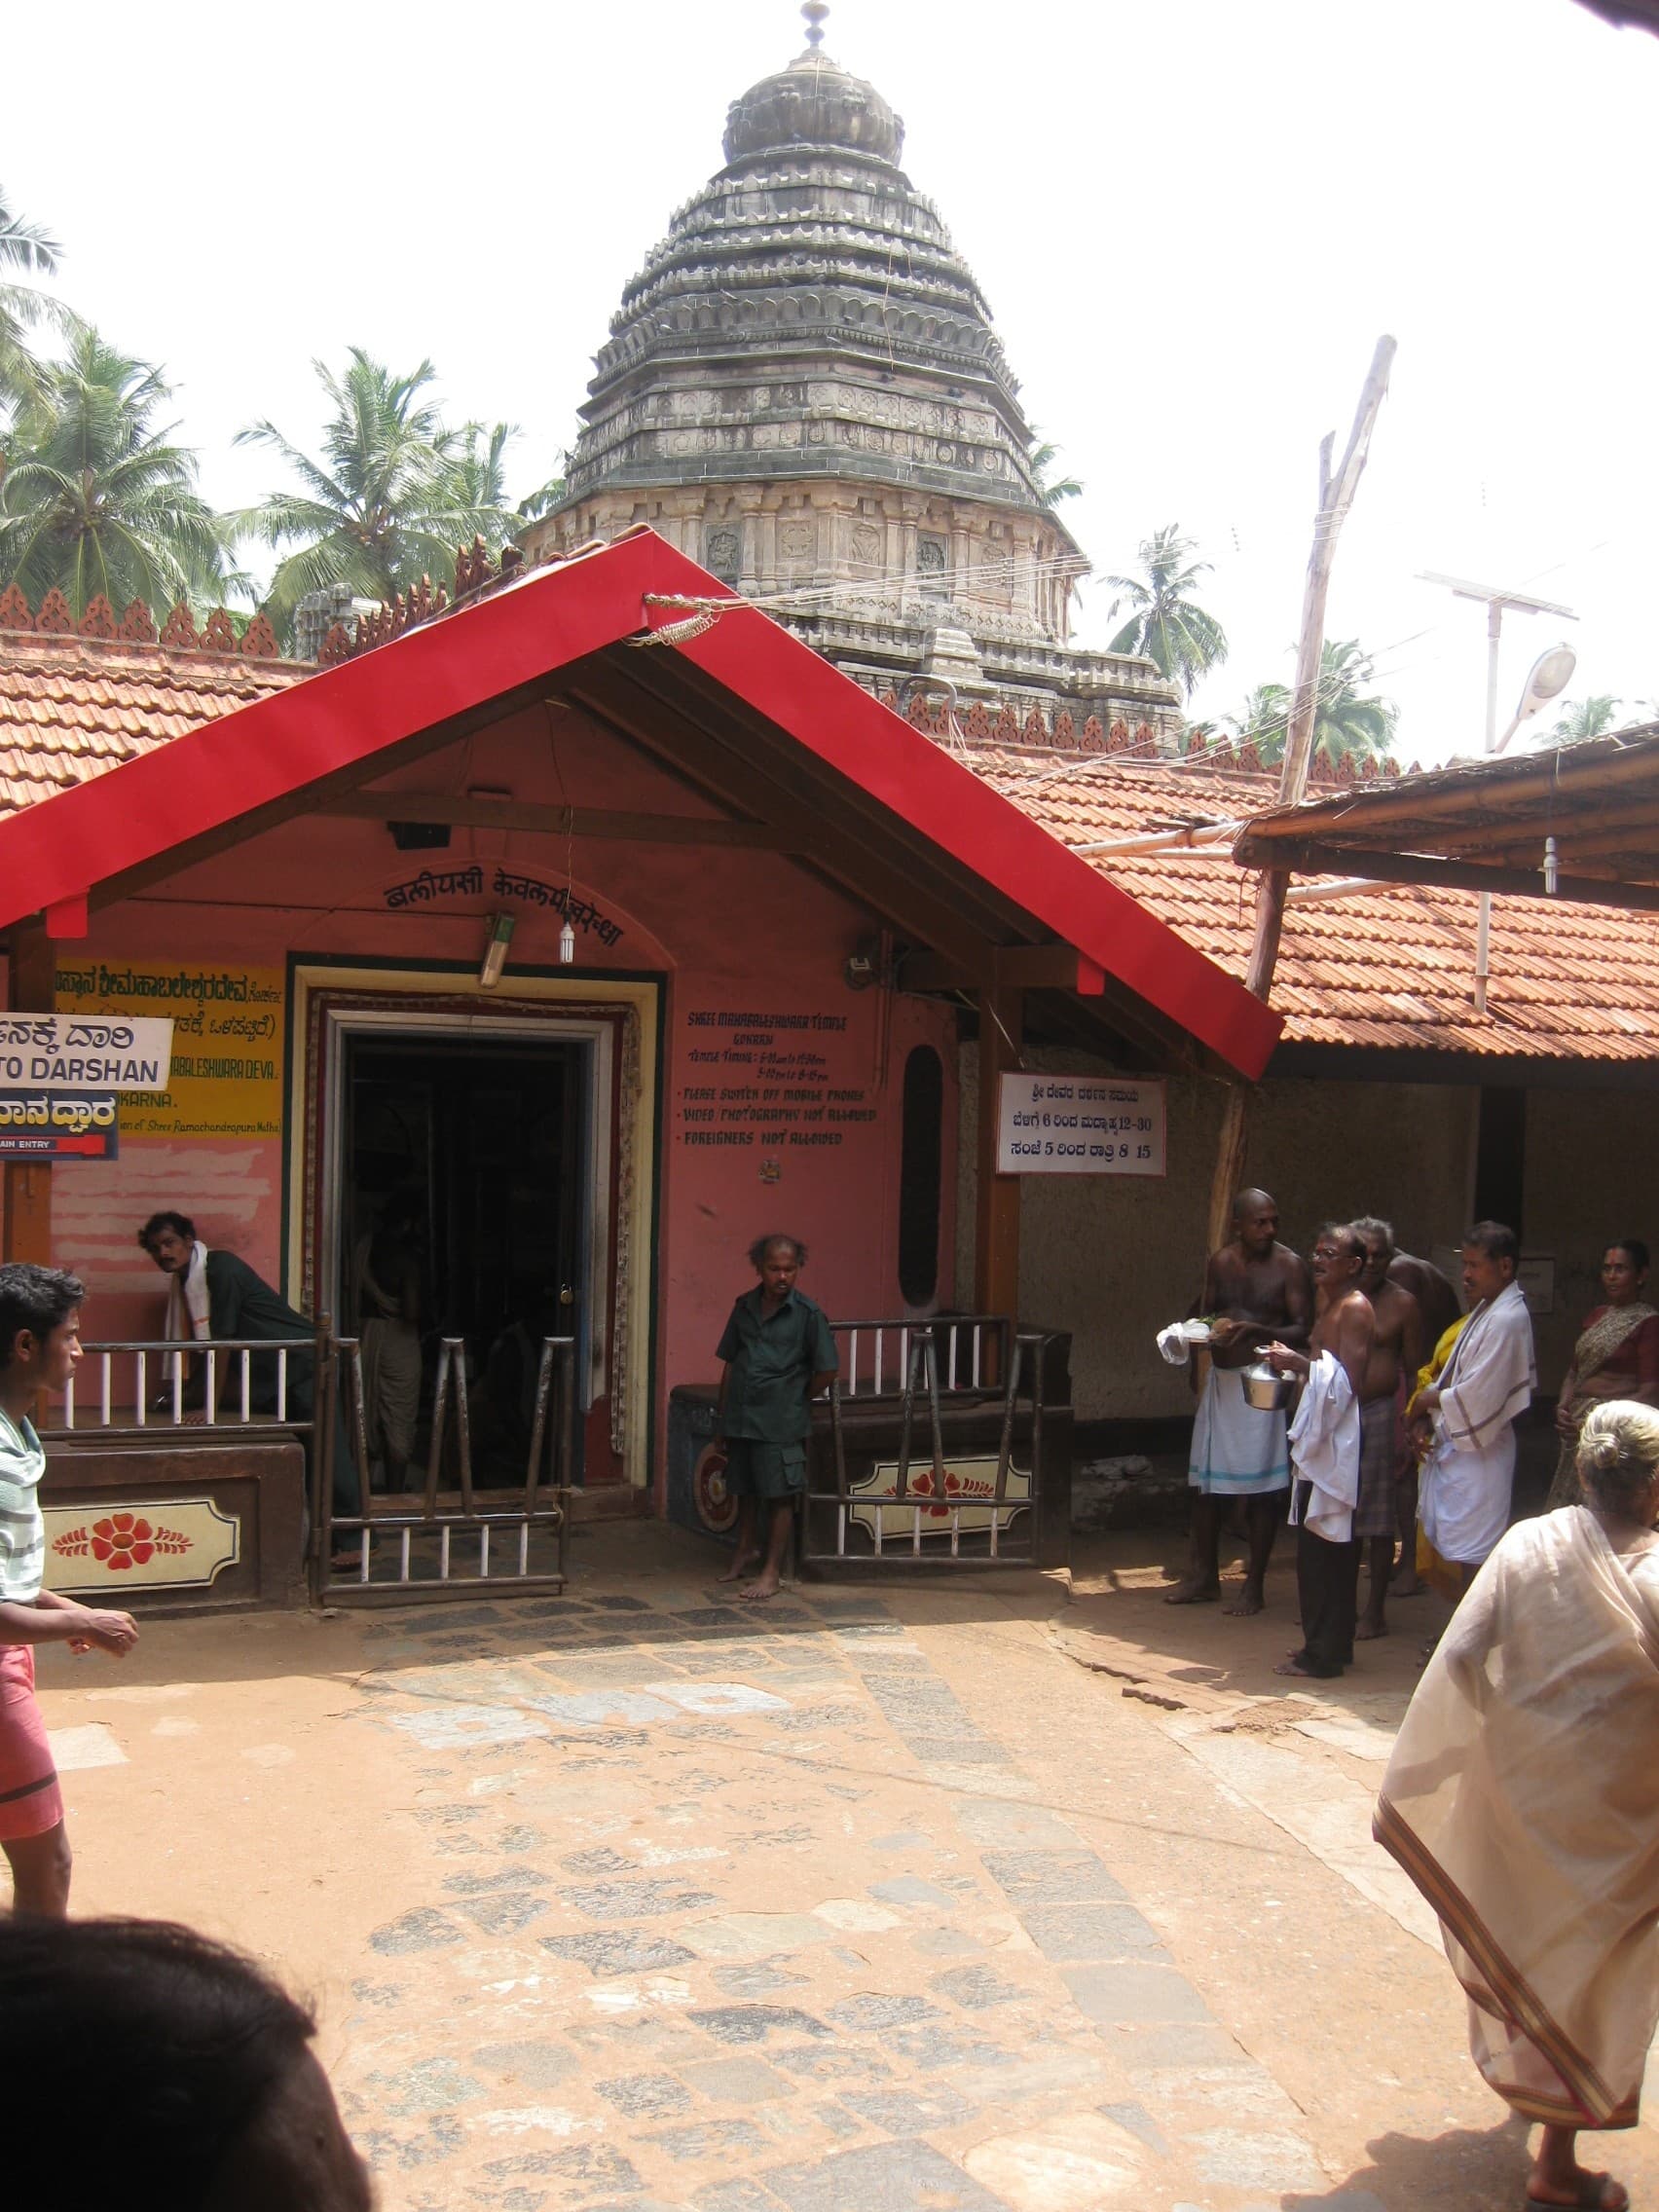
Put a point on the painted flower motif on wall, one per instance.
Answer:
(121, 1542)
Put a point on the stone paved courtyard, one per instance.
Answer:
(915, 1898)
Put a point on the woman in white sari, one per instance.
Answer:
(1522, 1800)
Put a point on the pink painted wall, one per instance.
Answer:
(732, 933)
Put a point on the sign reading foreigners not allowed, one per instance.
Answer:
(1076, 1125)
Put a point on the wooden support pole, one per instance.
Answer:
(1336, 497)
(996, 1234)
(27, 1228)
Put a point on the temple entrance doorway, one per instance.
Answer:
(464, 1214)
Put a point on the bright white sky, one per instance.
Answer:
(1192, 223)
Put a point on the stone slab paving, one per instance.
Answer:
(877, 1900)
(745, 1912)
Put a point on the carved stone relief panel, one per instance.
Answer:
(722, 553)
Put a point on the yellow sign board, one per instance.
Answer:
(227, 1056)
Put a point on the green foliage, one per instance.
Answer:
(1348, 722)
(1593, 716)
(1039, 460)
(97, 499)
(1166, 623)
(23, 308)
(393, 497)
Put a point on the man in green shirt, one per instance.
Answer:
(779, 1354)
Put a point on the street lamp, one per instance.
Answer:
(1552, 673)
(1496, 601)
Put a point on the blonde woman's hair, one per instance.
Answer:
(1618, 1452)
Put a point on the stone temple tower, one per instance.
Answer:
(802, 389)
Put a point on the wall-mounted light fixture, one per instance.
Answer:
(501, 935)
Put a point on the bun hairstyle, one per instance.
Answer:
(1618, 1454)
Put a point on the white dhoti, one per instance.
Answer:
(1238, 1450)
(1463, 1499)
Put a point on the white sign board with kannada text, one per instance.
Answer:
(85, 1051)
(1081, 1125)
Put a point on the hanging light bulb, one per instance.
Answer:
(567, 943)
(1552, 870)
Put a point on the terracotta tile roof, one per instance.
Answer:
(72, 707)
(1383, 969)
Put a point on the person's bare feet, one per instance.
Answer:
(1407, 1582)
(740, 1565)
(766, 1584)
(1248, 1600)
(1196, 1590)
(1298, 1666)
(1368, 1629)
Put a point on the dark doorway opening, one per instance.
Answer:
(463, 1213)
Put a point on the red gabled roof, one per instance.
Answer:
(342, 717)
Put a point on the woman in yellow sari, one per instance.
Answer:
(1522, 1800)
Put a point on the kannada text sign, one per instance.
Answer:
(1076, 1125)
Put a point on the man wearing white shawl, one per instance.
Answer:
(1522, 1800)
(1487, 1381)
(1324, 1451)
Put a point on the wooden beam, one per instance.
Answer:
(721, 772)
(1461, 793)
(1610, 829)
(1448, 876)
(996, 1227)
(27, 1183)
(586, 821)
(1010, 967)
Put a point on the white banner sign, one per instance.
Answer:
(82, 1051)
(1075, 1125)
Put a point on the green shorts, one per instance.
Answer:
(755, 1469)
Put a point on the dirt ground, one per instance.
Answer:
(903, 1897)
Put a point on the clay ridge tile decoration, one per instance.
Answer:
(138, 625)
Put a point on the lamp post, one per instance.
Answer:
(1496, 600)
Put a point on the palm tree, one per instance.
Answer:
(96, 496)
(1347, 721)
(27, 247)
(1039, 460)
(393, 497)
(1585, 718)
(1168, 626)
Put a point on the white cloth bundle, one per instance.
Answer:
(1324, 1450)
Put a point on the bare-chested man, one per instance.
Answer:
(1397, 1350)
(1440, 1306)
(1258, 1290)
(1325, 1445)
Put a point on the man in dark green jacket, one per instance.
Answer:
(215, 1294)
(778, 1353)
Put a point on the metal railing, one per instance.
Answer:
(179, 1404)
(936, 1533)
(970, 1353)
(506, 1541)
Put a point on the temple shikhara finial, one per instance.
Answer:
(815, 11)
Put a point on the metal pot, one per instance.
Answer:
(1267, 1389)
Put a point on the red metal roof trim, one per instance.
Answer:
(535, 626)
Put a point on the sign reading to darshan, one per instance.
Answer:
(1075, 1125)
(226, 1024)
(65, 1052)
(769, 1080)
(54, 1125)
